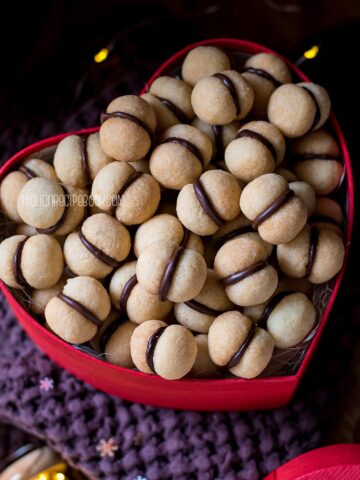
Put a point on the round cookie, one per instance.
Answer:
(127, 128)
(89, 252)
(113, 340)
(286, 173)
(204, 61)
(328, 214)
(179, 159)
(265, 72)
(171, 100)
(289, 317)
(36, 167)
(220, 136)
(165, 227)
(317, 254)
(133, 196)
(297, 109)
(257, 149)
(205, 205)
(117, 347)
(316, 160)
(240, 226)
(168, 351)
(132, 299)
(291, 320)
(171, 271)
(13, 182)
(198, 313)
(307, 194)
(50, 207)
(203, 367)
(274, 209)
(41, 297)
(31, 262)
(78, 159)
(237, 344)
(222, 98)
(77, 312)
(10, 189)
(241, 265)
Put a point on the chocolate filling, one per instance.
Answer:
(169, 273)
(237, 277)
(272, 208)
(271, 305)
(99, 254)
(108, 333)
(127, 116)
(179, 114)
(186, 144)
(219, 146)
(125, 294)
(151, 345)
(84, 159)
(19, 276)
(264, 74)
(317, 115)
(206, 203)
(235, 359)
(258, 137)
(78, 307)
(27, 171)
(315, 156)
(133, 177)
(235, 233)
(199, 307)
(231, 88)
(314, 239)
(61, 220)
(186, 237)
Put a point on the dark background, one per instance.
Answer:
(47, 51)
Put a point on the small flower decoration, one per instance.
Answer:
(46, 384)
(107, 448)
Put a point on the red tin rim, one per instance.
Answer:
(317, 463)
(156, 380)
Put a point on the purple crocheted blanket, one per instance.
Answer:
(111, 439)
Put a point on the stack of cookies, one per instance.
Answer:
(186, 236)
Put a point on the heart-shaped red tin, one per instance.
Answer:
(190, 394)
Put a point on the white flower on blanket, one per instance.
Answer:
(107, 448)
(46, 384)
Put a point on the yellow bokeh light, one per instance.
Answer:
(59, 476)
(101, 55)
(43, 476)
(312, 52)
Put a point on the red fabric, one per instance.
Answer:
(337, 462)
